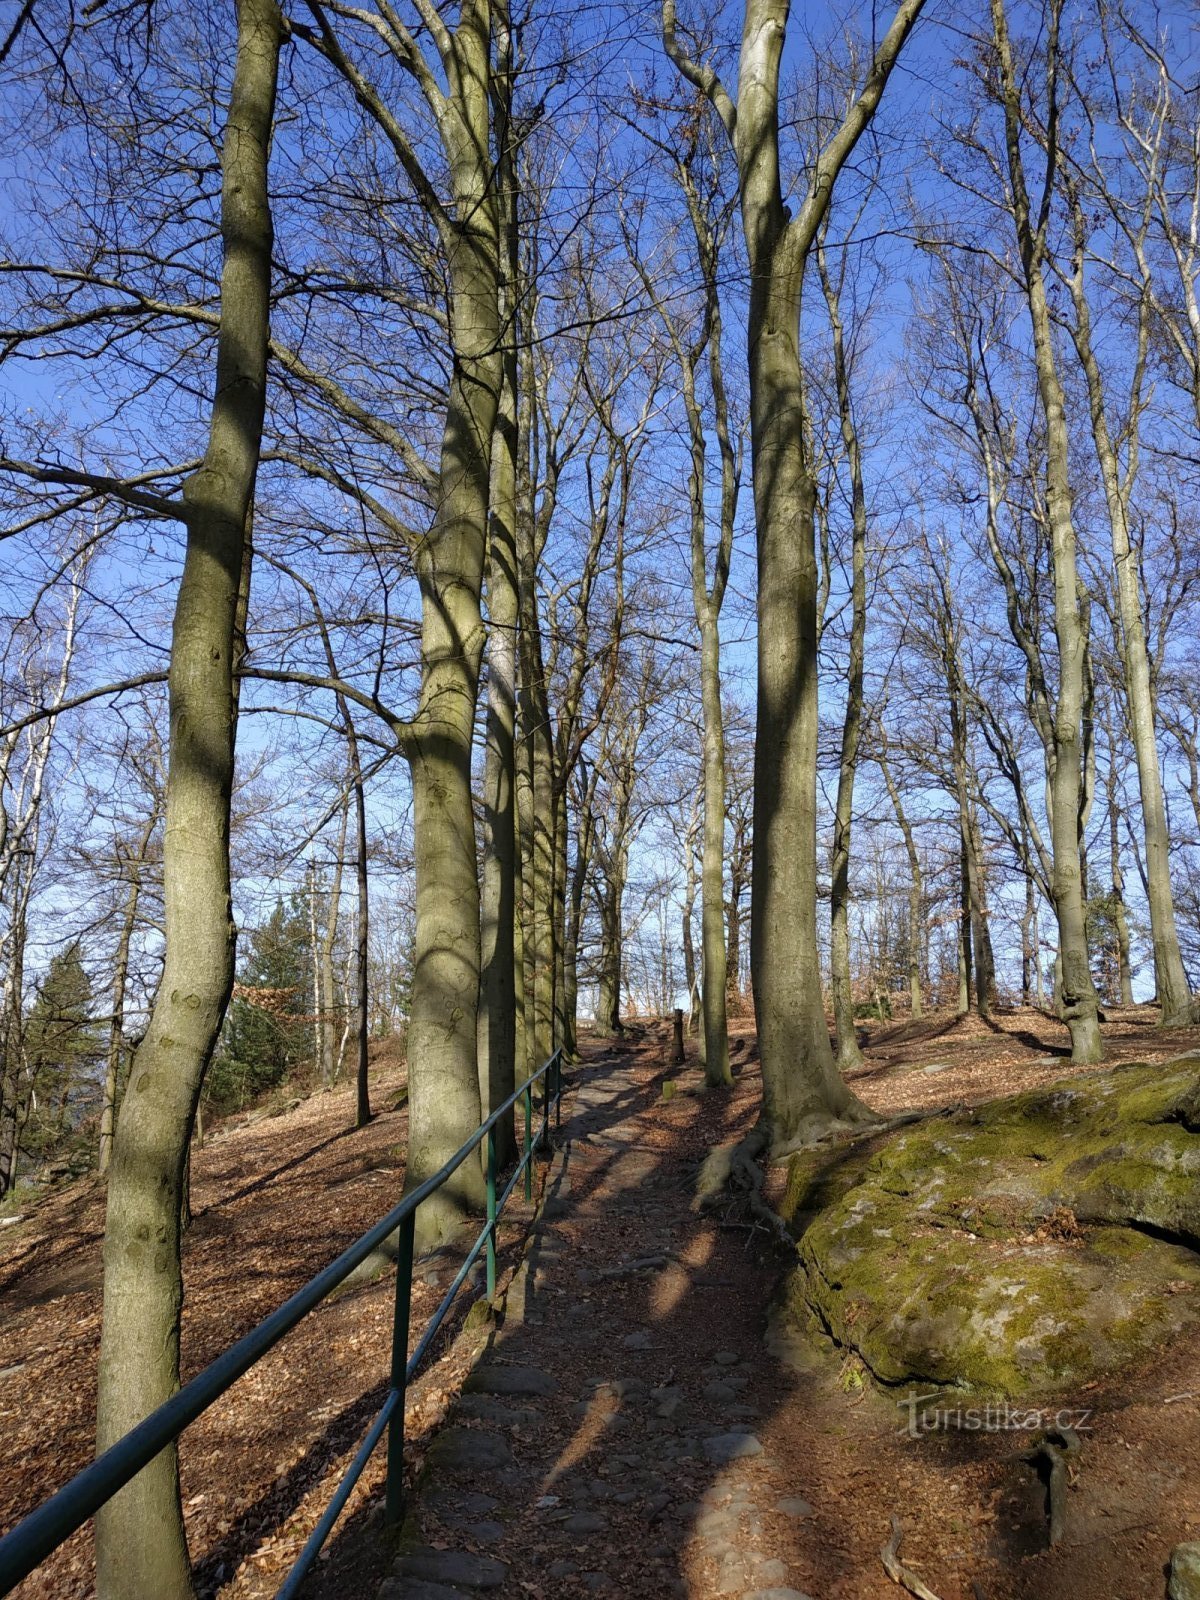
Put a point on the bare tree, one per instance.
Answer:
(801, 1089)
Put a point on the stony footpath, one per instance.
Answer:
(608, 1443)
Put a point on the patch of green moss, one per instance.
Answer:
(927, 1257)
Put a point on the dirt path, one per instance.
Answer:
(634, 1436)
(642, 1346)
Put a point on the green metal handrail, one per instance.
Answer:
(43, 1530)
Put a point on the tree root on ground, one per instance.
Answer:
(1049, 1457)
(889, 1554)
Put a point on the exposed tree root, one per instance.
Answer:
(1050, 1456)
(889, 1554)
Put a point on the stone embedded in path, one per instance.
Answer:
(724, 1447)
(775, 1594)
(718, 1393)
(418, 1589)
(485, 1408)
(640, 1340)
(585, 1522)
(510, 1381)
(458, 1568)
(460, 1502)
(726, 1358)
(465, 1450)
(792, 1506)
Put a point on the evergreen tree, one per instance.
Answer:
(62, 1045)
(267, 1031)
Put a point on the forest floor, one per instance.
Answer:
(666, 1450)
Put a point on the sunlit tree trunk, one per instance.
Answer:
(1080, 1009)
(140, 1544)
(802, 1091)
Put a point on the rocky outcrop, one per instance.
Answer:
(1016, 1249)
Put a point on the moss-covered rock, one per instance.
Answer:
(1019, 1248)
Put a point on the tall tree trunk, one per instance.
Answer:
(584, 840)
(498, 907)
(328, 945)
(443, 1071)
(1120, 920)
(1174, 995)
(140, 1545)
(802, 1091)
(610, 957)
(116, 1028)
(691, 977)
(538, 875)
(1080, 1009)
(981, 933)
(362, 937)
(916, 932)
(845, 1033)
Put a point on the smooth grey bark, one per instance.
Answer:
(707, 597)
(327, 1009)
(1079, 1005)
(115, 1055)
(916, 931)
(1117, 879)
(498, 906)
(845, 1033)
(1174, 995)
(141, 1549)
(802, 1091)
(362, 930)
(585, 833)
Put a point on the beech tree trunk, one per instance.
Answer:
(845, 1033)
(802, 1091)
(1174, 995)
(498, 906)
(1079, 1005)
(116, 1027)
(140, 1545)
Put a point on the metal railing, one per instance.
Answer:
(33, 1539)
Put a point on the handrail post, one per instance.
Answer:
(545, 1138)
(491, 1214)
(400, 1316)
(528, 1138)
(558, 1089)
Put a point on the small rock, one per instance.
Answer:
(585, 1522)
(725, 1447)
(718, 1393)
(458, 1568)
(485, 1532)
(562, 1569)
(640, 1340)
(486, 1408)
(1184, 1583)
(726, 1358)
(510, 1381)
(465, 1450)
(658, 1502)
(792, 1506)
(938, 1066)
(775, 1594)
(417, 1589)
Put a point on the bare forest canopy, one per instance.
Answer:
(554, 514)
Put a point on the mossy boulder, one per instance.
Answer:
(1020, 1248)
